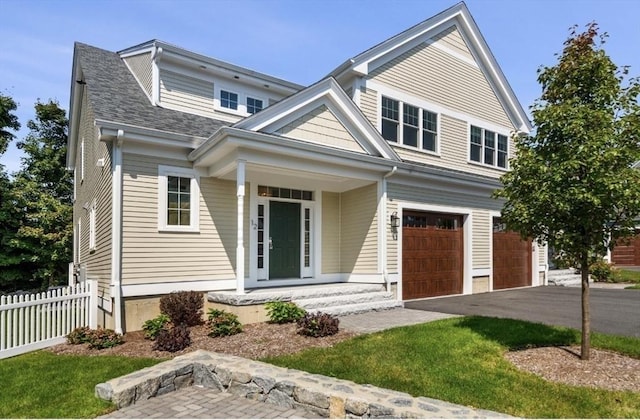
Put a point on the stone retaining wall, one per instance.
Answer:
(324, 396)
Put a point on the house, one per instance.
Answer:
(196, 174)
(627, 252)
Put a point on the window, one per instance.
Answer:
(277, 192)
(488, 147)
(253, 105)
(418, 127)
(228, 99)
(92, 227)
(179, 199)
(390, 119)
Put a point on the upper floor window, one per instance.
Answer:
(178, 199)
(409, 125)
(228, 99)
(488, 147)
(253, 105)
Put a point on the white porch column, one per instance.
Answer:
(240, 180)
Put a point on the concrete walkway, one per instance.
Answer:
(199, 402)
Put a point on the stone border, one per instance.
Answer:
(320, 395)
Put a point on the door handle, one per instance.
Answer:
(270, 243)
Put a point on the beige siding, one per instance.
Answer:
(359, 231)
(369, 105)
(150, 256)
(141, 68)
(330, 233)
(96, 186)
(482, 237)
(392, 244)
(446, 80)
(452, 39)
(321, 126)
(185, 93)
(440, 197)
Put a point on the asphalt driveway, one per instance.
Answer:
(612, 311)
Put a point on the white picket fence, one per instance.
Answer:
(37, 321)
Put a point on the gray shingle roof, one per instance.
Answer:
(116, 96)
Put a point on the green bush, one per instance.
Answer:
(152, 327)
(223, 323)
(79, 335)
(283, 312)
(318, 325)
(173, 339)
(602, 271)
(103, 338)
(183, 307)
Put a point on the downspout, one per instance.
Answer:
(116, 234)
(383, 216)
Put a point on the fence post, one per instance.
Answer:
(93, 303)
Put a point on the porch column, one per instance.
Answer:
(240, 178)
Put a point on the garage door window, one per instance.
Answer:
(431, 220)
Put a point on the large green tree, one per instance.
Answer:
(572, 183)
(42, 193)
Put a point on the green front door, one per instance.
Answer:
(284, 232)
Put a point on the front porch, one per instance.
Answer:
(335, 299)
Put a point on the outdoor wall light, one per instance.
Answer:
(395, 224)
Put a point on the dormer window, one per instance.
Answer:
(228, 100)
(253, 105)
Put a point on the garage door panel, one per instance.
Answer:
(627, 252)
(432, 255)
(511, 259)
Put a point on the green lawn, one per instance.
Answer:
(461, 360)
(44, 385)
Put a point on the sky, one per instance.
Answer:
(296, 40)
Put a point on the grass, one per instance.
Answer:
(45, 385)
(626, 276)
(461, 360)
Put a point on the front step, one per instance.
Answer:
(359, 308)
(349, 302)
(566, 277)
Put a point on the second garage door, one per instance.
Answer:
(511, 258)
(432, 254)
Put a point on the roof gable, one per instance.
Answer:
(327, 105)
(470, 47)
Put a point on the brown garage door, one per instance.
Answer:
(627, 252)
(432, 254)
(511, 258)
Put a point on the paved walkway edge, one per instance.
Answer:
(321, 395)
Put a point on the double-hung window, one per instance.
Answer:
(409, 125)
(228, 100)
(253, 105)
(488, 147)
(178, 199)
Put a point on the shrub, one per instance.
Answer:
(183, 307)
(318, 325)
(152, 327)
(602, 271)
(79, 335)
(173, 339)
(103, 338)
(223, 323)
(283, 312)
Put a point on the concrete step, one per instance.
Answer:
(566, 277)
(359, 308)
(342, 300)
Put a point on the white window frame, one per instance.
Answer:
(246, 102)
(483, 147)
(92, 226)
(401, 124)
(194, 214)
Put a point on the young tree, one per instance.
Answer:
(42, 193)
(572, 183)
(8, 121)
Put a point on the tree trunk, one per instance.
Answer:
(585, 350)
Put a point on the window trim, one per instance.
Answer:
(483, 147)
(194, 213)
(246, 104)
(420, 147)
(242, 99)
